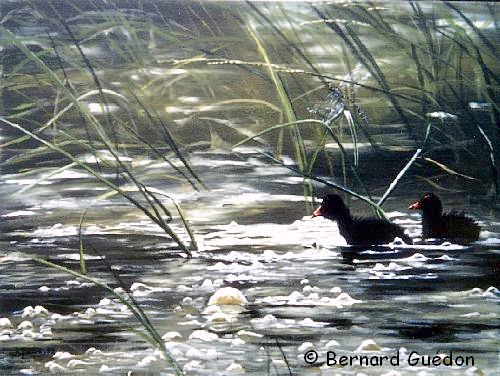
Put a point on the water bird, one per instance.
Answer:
(356, 230)
(453, 226)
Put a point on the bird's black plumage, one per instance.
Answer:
(356, 230)
(453, 226)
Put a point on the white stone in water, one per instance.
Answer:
(106, 369)
(266, 320)
(193, 353)
(313, 296)
(245, 333)
(62, 355)
(90, 311)
(491, 291)
(192, 366)
(27, 311)
(308, 322)
(211, 310)
(332, 343)
(137, 286)
(25, 325)
(295, 295)
(28, 333)
(105, 302)
(227, 296)
(5, 335)
(43, 288)
(304, 281)
(75, 363)
(336, 290)
(171, 336)
(392, 373)
(304, 347)
(46, 333)
(207, 286)
(93, 351)
(192, 322)
(146, 361)
(40, 311)
(204, 336)
(54, 367)
(473, 371)
(235, 368)
(187, 300)
(183, 288)
(309, 288)
(28, 371)
(175, 352)
(345, 299)
(368, 345)
(237, 342)
(222, 317)
(5, 323)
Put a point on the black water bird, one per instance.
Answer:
(453, 226)
(359, 231)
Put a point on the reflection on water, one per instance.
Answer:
(305, 289)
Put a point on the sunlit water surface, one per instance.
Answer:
(304, 289)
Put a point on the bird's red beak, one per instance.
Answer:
(317, 213)
(415, 206)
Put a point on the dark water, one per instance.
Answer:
(304, 290)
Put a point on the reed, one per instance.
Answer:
(102, 137)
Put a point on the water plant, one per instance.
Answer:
(436, 55)
(103, 142)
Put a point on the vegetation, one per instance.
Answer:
(99, 85)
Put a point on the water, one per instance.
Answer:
(303, 292)
(304, 289)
